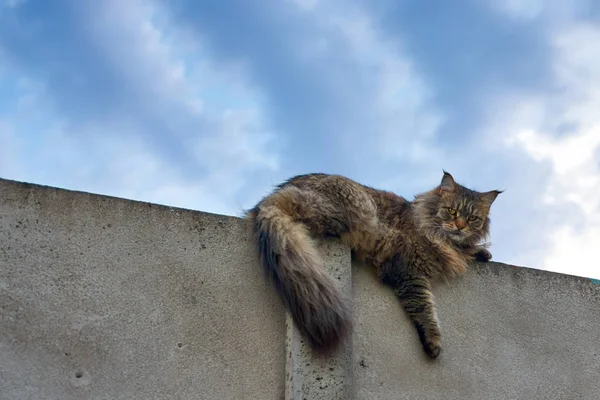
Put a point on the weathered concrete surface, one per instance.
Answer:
(508, 333)
(103, 298)
(316, 377)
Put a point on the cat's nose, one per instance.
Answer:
(460, 224)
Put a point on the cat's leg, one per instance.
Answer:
(416, 298)
(414, 293)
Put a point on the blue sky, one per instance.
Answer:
(207, 105)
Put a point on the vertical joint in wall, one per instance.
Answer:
(309, 376)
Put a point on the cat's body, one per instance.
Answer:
(408, 242)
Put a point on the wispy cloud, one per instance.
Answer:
(12, 3)
(571, 193)
(139, 149)
(338, 89)
(384, 107)
(520, 9)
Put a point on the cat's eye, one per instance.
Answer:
(472, 217)
(452, 211)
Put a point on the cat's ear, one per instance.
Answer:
(490, 196)
(448, 184)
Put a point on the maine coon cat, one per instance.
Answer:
(409, 243)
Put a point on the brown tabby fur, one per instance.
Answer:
(408, 242)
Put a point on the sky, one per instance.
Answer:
(208, 105)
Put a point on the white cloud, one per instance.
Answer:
(555, 14)
(173, 61)
(142, 45)
(393, 118)
(173, 79)
(305, 5)
(400, 93)
(521, 9)
(110, 158)
(13, 3)
(238, 143)
(573, 188)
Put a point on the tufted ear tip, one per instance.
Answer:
(490, 196)
(447, 184)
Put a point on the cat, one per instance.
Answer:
(409, 243)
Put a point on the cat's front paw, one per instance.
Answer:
(431, 342)
(483, 255)
(432, 348)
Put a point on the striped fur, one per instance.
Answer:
(409, 243)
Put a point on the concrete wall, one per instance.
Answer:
(508, 333)
(104, 298)
(144, 301)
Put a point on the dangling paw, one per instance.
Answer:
(431, 342)
(432, 348)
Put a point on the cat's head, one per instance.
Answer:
(455, 211)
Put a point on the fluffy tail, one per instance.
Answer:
(317, 306)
